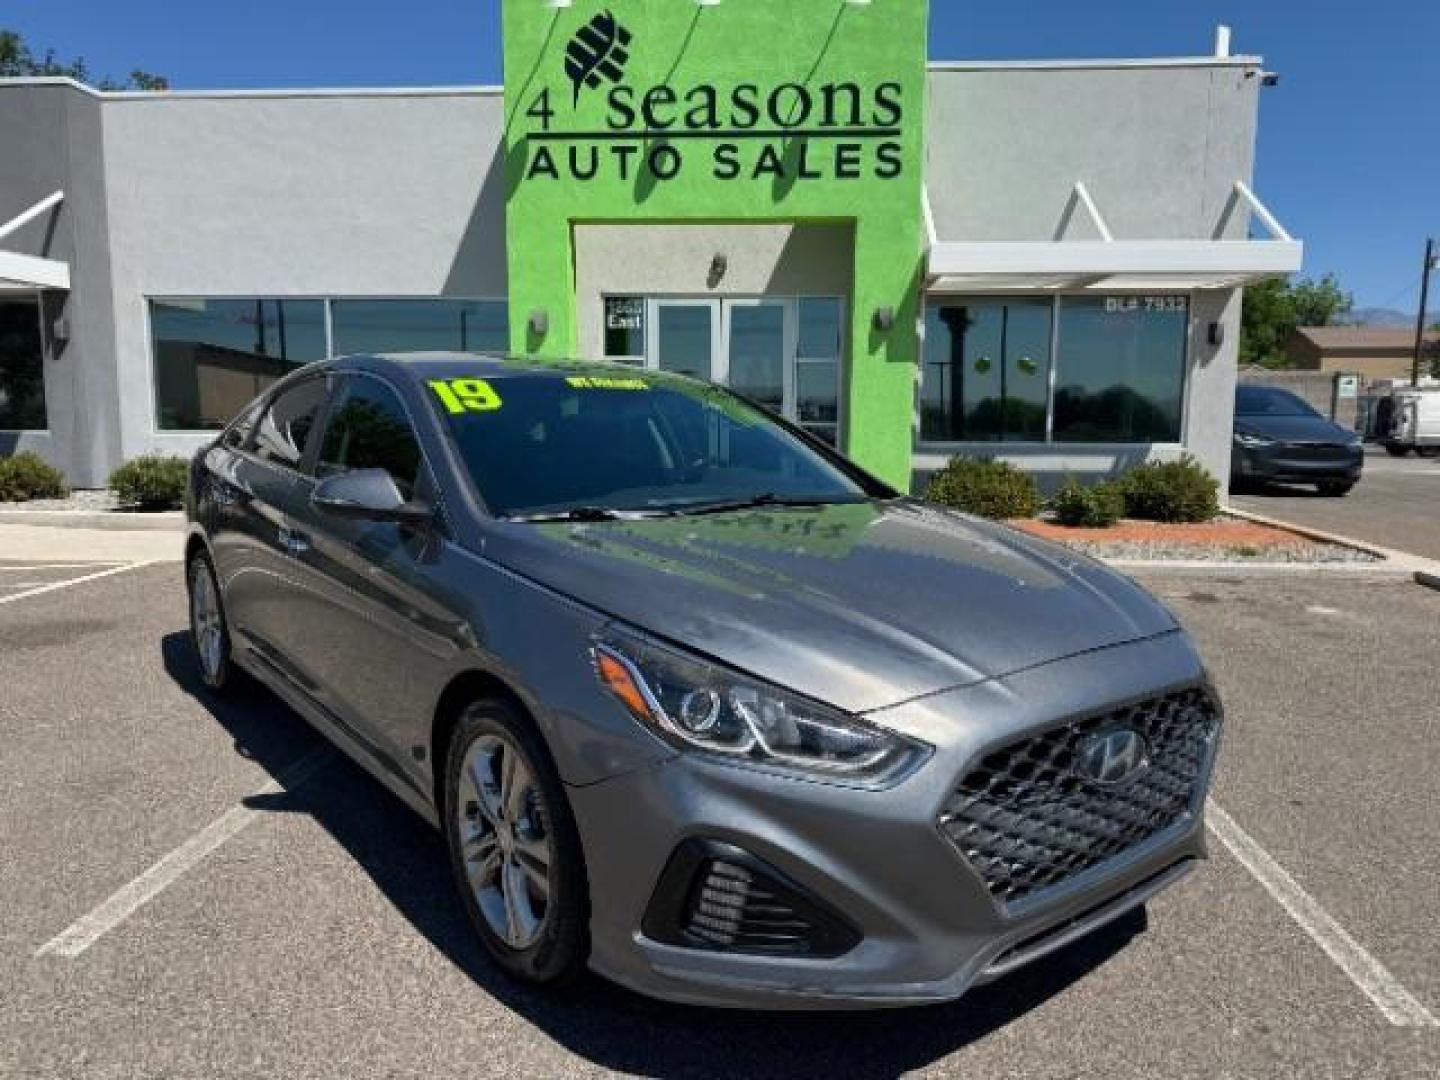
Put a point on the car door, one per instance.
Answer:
(372, 635)
(254, 544)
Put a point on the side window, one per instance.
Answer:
(285, 428)
(370, 429)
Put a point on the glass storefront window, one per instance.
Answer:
(757, 353)
(213, 357)
(1119, 369)
(22, 367)
(1121, 373)
(820, 336)
(987, 371)
(819, 332)
(425, 325)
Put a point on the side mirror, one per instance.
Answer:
(368, 495)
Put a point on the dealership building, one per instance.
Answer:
(1037, 261)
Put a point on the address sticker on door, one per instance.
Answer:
(460, 396)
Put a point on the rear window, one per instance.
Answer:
(626, 442)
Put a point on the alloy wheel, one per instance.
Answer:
(505, 843)
(206, 623)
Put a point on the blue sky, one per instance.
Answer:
(1349, 140)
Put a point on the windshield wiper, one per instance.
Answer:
(754, 502)
(584, 514)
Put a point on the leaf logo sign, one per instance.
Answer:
(598, 53)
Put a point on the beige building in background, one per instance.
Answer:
(1371, 352)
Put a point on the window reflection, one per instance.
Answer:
(213, 357)
(1121, 375)
(430, 325)
(757, 353)
(987, 371)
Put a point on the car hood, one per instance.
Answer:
(863, 606)
(1293, 429)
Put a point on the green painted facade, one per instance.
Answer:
(661, 111)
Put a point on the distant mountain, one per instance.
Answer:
(1387, 318)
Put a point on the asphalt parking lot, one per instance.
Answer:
(1395, 505)
(307, 926)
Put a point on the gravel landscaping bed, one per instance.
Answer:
(1225, 540)
(80, 502)
(1178, 551)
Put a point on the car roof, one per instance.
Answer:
(449, 365)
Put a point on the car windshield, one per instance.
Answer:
(1267, 401)
(596, 444)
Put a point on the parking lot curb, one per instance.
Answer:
(1319, 534)
(1425, 571)
(170, 521)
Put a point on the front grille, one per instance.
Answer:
(1028, 821)
(1315, 451)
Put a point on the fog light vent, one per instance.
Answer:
(717, 897)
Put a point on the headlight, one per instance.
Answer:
(700, 706)
(1252, 442)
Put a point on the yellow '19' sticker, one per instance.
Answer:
(606, 382)
(460, 396)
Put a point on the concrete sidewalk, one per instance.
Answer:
(45, 543)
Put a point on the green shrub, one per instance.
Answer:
(1171, 491)
(151, 483)
(1096, 507)
(26, 476)
(991, 489)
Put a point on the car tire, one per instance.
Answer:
(532, 919)
(209, 630)
(1397, 450)
(1335, 489)
(1427, 451)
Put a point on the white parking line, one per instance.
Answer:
(56, 566)
(131, 897)
(76, 581)
(1372, 977)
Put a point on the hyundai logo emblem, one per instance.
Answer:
(1112, 757)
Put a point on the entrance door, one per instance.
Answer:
(685, 338)
(758, 344)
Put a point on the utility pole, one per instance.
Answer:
(1430, 263)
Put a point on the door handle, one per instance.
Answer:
(293, 542)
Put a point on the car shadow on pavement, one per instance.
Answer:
(596, 1019)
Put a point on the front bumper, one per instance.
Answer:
(929, 929)
(1283, 463)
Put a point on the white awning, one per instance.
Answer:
(28, 272)
(1108, 264)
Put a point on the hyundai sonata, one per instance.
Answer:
(696, 702)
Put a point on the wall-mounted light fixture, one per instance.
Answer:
(719, 267)
(1216, 335)
(539, 322)
(884, 319)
